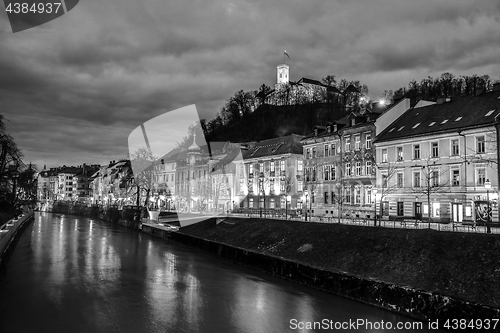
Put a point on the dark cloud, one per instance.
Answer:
(98, 72)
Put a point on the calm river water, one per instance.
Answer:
(73, 274)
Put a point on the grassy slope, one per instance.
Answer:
(462, 265)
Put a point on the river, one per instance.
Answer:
(74, 274)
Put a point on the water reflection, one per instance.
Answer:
(79, 275)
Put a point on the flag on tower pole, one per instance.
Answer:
(287, 54)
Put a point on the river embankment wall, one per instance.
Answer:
(9, 235)
(458, 273)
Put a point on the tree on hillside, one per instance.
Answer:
(446, 85)
(264, 90)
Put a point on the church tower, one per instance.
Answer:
(283, 75)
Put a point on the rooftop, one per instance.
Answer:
(458, 113)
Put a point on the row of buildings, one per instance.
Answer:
(409, 160)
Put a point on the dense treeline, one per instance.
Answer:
(446, 85)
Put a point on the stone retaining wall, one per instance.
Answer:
(9, 235)
(418, 304)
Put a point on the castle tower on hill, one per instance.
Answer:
(282, 74)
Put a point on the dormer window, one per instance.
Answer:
(315, 132)
(353, 121)
(335, 128)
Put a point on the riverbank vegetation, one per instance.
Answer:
(17, 183)
(462, 265)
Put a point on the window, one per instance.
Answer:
(399, 179)
(271, 205)
(348, 169)
(357, 195)
(271, 185)
(384, 155)
(480, 176)
(314, 152)
(326, 197)
(358, 168)
(333, 197)
(326, 172)
(261, 167)
(480, 144)
(299, 167)
(333, 149)
(332, 172)
(416, 179)
(299, 204)
(300, 186)
(368, 168)
(242, 185)
(282, 167)
(282, 202)
(435, 178)
(272, 168)
(261, 185)
(250, 170)
(282, 186)
(314, 174)
(455, 151)
(347, 195)
(313, 197)
(261, 204)
(368, 196)
(357, 142)
(434, 149)
(436, 208)
(348, 144)
(399, 153)
(308, 153)
(326, 151)
(368, 139)
(416, 152)
(400, 208)
(455, 177)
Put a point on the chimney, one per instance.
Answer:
(496, 86)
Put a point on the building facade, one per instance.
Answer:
(270, 175)
(440, 162)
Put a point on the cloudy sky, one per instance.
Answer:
(73, 89)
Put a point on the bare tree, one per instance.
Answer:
(432, 183)
(143, 163)
(387, 171)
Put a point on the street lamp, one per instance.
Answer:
(375, 206)
(260, 206)
(306, 194)
(487, 185)
(287, 199)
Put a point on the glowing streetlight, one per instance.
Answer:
(487, 185)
